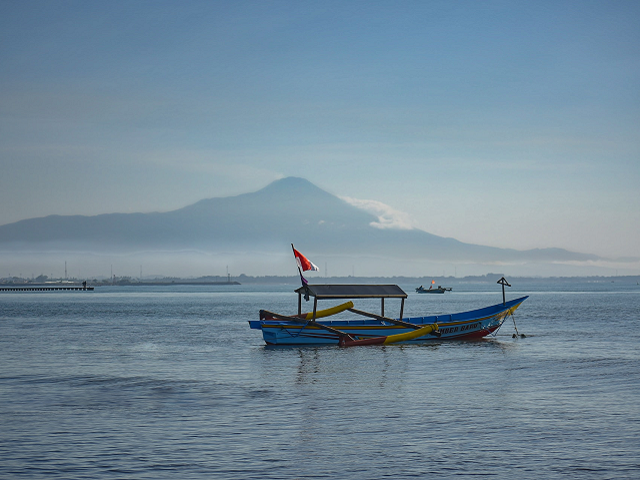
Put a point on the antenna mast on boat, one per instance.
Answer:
(503, 282)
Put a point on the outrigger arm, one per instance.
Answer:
(340, 333)
(386, 319)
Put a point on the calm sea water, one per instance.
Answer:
(170, 383)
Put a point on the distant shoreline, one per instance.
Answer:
(181, 282)
(294, 280)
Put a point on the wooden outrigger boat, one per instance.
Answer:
(374, 329)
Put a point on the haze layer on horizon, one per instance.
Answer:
(505, 124)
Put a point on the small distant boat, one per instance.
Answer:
(440, 289)
(374, 329)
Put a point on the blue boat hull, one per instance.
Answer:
(470, 325)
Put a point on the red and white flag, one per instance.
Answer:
(303, 262)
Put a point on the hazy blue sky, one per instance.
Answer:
(503, 123)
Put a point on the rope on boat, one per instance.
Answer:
(494, 334)
(517, 334)
(299, 332)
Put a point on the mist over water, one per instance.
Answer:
(268, 261)
(169, 382)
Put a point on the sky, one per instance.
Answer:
(502, 123)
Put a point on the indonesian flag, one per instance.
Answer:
(303, 262)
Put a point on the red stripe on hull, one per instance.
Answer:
(363, 341)
(473, 335)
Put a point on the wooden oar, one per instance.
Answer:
(386, 319)
(340, 333)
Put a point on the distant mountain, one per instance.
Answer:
(291, 210)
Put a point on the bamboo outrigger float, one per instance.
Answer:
(375, 329)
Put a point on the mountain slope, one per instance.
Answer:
(286, 211)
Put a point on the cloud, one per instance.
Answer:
(388, 217)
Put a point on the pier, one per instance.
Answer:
(41, 288)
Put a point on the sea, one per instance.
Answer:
(169, 382)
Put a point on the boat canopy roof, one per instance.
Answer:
(351, 291)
